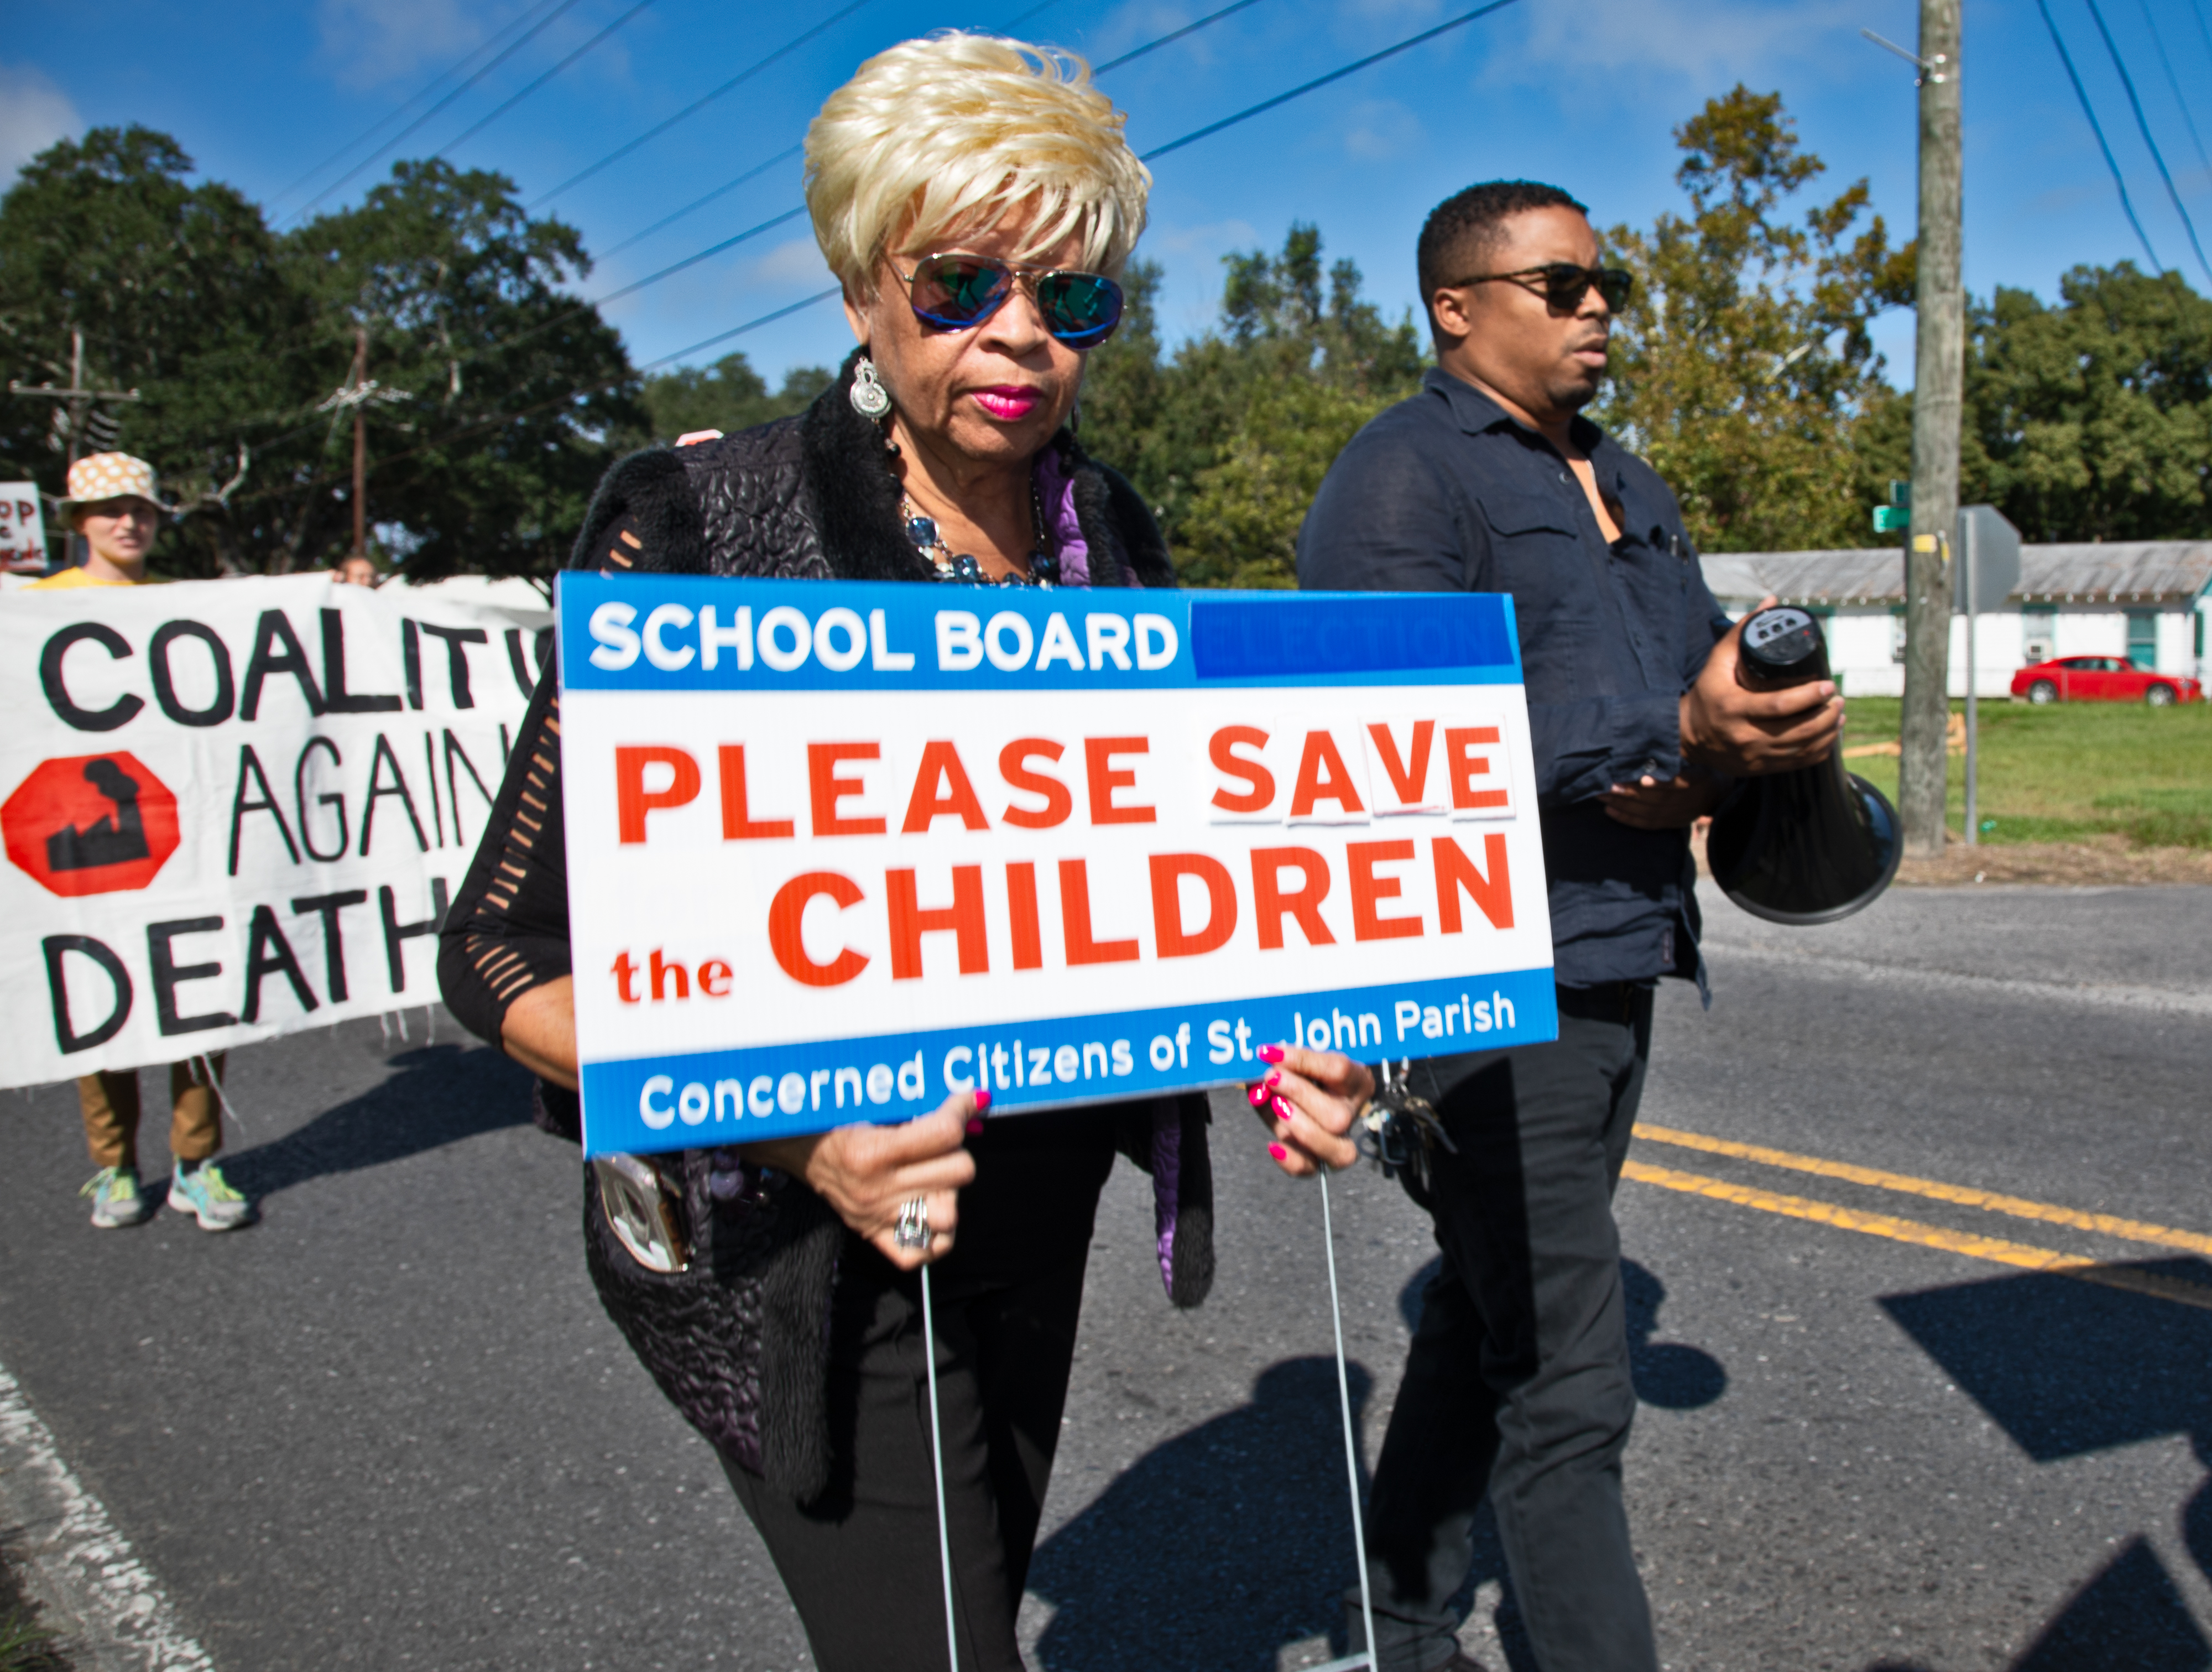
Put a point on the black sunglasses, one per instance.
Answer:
(954, 292)
(1565, 285)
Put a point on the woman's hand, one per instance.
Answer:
(1309, 1101)
(869, 1173)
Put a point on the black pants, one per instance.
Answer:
(1517, 1382)
(861, 1562)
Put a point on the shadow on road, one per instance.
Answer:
(1213, 1550)
(440, 1095)
(1219, 1548)
(1668, 1374)
(2067, 1368)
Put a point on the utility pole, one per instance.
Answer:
(360, 445)
(78, 399)
(354, 396)
(1939, 372)
(74, 415)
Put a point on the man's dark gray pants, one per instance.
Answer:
(1518, 1383)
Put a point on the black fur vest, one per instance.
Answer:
(739, 1342)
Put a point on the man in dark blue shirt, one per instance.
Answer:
(1518, 1383)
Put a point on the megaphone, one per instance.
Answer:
(1810, 846)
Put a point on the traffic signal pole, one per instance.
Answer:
(1939, 372)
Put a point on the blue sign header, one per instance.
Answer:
(666, 633)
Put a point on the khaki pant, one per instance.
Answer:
(111, 1106)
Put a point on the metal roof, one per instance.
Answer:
(2117, 572)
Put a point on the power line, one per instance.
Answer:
(400, 137)
(701, 102)
(405, 104)
(602, 34)
(758, 169)
(1159, 150)
(753, 173)
(2096, 128)
(1153, 46)
(675, 267)
(2142, 125)
(818, 297)
(2174, 82)
(1265, 105)
(822, 296)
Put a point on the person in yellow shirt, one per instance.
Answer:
(114, 502)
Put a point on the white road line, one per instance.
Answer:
(2104, 997)
(120, 1620)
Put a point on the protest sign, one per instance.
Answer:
(236, 808)
(22, 529)
(837, 849)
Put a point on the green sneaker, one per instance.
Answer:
(206, 1193)
(116, 1201)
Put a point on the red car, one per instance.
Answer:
(2102, 679)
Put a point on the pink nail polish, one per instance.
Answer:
(1271, 1053)
(1273, 1079)
(1283, 1110)
(1258, 1095)
(974, 1124)
(1278, 1151)
(983, 1101)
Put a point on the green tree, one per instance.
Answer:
(2087, 419)
(1230, 438)
(510, 395)
(1742, 366)
(181, 293)
(500, 397)
(728, 396)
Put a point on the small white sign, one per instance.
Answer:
(22, 529)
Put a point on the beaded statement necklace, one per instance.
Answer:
(962, 569)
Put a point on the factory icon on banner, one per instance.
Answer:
(91, 825)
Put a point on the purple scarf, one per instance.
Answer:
(1056, 492)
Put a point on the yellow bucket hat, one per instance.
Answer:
(110, 475)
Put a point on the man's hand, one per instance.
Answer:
(1648, 804)
(1745, 733)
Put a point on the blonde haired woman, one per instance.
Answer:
(975, 199)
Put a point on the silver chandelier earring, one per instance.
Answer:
(869, 397)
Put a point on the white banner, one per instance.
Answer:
(237, 808)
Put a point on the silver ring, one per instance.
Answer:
(913, 1228)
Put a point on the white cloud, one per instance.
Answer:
(1214, 238)
(799, 262)
(1706, 39)
(370, 42)
(33, 114)
(1381, 128)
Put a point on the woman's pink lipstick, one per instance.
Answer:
(1008, 401)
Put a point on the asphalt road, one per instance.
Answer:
(390, 1426)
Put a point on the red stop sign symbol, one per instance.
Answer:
(91, 823)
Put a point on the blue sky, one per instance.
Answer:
(1582, 94)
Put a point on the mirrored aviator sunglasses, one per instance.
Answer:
(954, 292)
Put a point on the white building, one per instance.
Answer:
(2143, 599)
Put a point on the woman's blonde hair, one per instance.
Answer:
(958, 132)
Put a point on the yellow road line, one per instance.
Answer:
(2133, 1230)
(1927, 1236)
